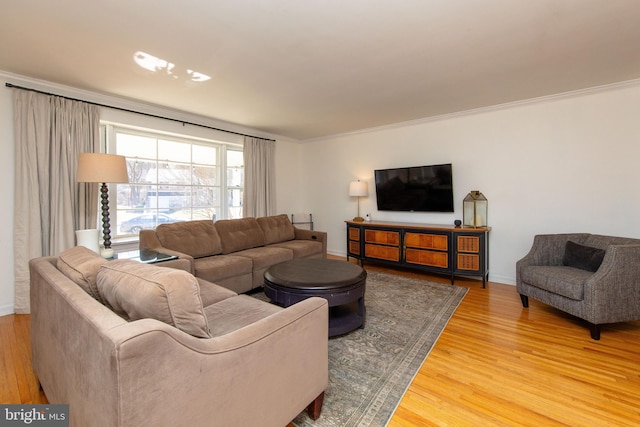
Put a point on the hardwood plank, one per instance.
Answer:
(18, 383)
(497, 363)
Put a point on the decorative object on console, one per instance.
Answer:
(358, 189)
(457, 223)
(474, 212)
(103, 168)
(89, 239)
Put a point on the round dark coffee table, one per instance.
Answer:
(341, 283)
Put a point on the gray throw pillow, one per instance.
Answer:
(582, 257)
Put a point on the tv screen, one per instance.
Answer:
(419, 189)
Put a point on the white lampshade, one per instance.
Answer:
(358, 189)
(100, 167)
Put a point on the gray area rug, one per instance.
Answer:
(371, 368)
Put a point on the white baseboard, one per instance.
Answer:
(6, 309)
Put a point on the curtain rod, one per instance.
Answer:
(11, 85)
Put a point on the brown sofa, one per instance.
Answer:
(235, 253)
(129, 344)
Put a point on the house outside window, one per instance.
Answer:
(172, 178)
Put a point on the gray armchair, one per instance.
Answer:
(593, 277)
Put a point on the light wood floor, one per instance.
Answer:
(495, 364)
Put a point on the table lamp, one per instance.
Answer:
(358, 189)
(103, 168)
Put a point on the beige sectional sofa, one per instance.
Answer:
(235, 253)
(129, 344)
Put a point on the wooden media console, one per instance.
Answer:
(435, 248)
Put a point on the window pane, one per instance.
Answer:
(235, 198)
(203, 175)
(205, 155)
(135, 146)
(235, 158)
(206, 197)
(175, 151)
(141, 171)
(133, 196)
(174, 173)
(235, 177)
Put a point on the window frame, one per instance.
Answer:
(108, 132)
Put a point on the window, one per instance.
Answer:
(172, 178)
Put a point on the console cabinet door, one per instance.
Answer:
(471, 253)
(354, 241)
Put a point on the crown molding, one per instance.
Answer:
(491, 108)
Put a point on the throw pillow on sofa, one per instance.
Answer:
(81, 265)
(582, 257)
(140, 291)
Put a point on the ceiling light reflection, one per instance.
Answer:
(158, 65)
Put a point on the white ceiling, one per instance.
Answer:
(310, 68)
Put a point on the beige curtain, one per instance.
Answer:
(259, 177)
(49, 205)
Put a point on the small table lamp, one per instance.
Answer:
(358, 189)
(103, 168)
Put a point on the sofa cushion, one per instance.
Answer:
(210, 293)
(196, 238)
(237, 312)
(276, 229)
(566, 281)
(81, 265)
(239, 234)
(217, 268)
(265, 257)
(140, 291)
(582, 257)
(302, 248)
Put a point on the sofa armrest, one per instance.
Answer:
(234, 379)
(149, 240)
(612, 293)
(319, 236)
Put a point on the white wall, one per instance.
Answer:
(561, 164)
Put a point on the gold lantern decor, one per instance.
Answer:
(475, 210)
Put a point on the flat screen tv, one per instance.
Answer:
(415, 189)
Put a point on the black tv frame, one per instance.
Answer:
(426, 188)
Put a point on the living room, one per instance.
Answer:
(563, 163)
(560, 162)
